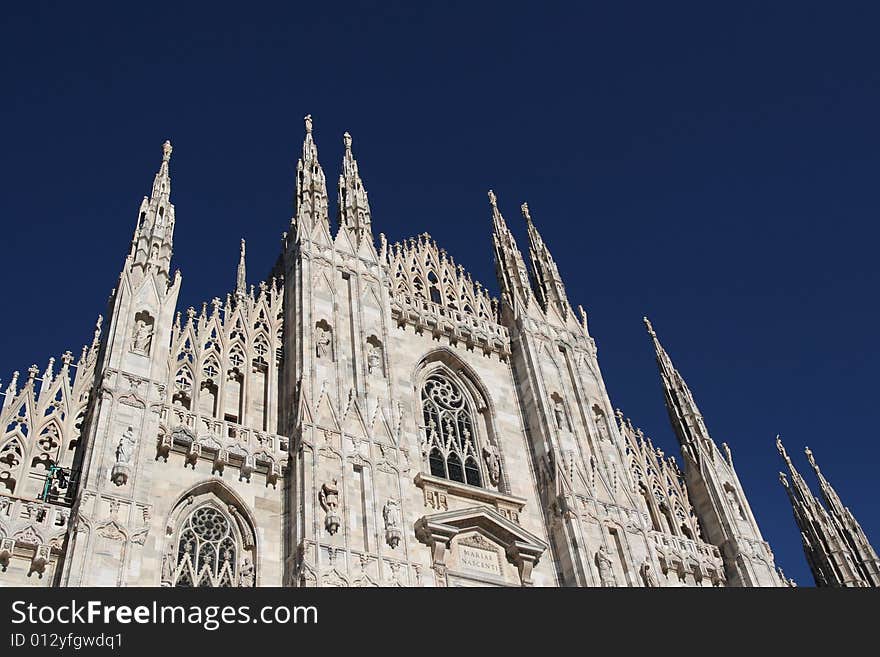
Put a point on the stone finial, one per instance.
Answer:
(50, 371)
(166, 151)
(525, 212)
(308, 120)
(493, 201)
(346, 139)
(649, 327)
(11, 388)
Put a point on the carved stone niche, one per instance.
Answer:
(483, 542)
(375, 356)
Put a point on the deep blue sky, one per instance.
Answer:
(713, 168)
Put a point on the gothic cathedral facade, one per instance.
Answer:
(368, 416)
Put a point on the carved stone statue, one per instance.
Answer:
(168, 566)
(374, 359)
(124, 454)
(647, 574)
(561, 419)
(125, 448)
(246, 573)
(602, 426)
(493, 463)
(606, 572)
(322, 343)
(391, 515)
(142, 337)
(734, 502)
(328, 497)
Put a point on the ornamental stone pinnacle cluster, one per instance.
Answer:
(368, 415)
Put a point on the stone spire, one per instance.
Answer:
(241, 276)
(513, 277)
(153, 236)
(548, 284)
(354, 209)
(836, 548)
(686, 419)
(311, 185)
(713, 485)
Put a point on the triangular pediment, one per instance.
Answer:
(485, 520)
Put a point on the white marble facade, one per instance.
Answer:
(368, 416)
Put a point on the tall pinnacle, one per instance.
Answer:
(513, 277)
(548, 284)
(311, 185)
(354, 208)
(162, 181)
(835, 545)
(801, 490)
(685, 416)
(153, 237)
(241, 277)
(711, 479)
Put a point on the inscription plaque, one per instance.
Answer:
(476, 554)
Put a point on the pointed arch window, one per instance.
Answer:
(449, 431)
(208, 547)
(183, 383)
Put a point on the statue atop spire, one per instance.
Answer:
(308, 121)
(166, 151)
(812, 460)
(781, 449)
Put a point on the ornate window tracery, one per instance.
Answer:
(449, 431)
(208, 548)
